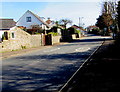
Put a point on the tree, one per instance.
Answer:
(64, 22)
(118, 16)
(100, 22)
(108, 16)
(57, 23)
(107, 13)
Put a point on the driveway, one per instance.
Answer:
(46, 70)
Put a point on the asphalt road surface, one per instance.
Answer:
(46, 70)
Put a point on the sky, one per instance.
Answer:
(86, 11)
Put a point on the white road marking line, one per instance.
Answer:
(51, 50)
(83, 49)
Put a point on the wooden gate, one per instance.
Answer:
(46, 39)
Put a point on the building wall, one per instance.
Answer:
(1, 33)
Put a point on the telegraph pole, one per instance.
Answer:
(79, 21)
(80, 18)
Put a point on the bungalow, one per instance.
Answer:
(6, 24)
(32, 22)
(80, 29)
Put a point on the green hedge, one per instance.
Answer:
(53, 33)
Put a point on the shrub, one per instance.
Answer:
(37, 33)
(77, 31)
(53, 33)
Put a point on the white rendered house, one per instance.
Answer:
(30, 19)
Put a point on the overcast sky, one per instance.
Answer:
(86, 11)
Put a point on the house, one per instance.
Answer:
(90, 28)
(32, 22)
(50, 22)
(54, 26)
(6, 24)
(80, 29)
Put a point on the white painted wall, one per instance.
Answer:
(34, 21)
(1, 33)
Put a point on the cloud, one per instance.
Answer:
(88, 10)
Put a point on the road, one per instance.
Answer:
(46, 70)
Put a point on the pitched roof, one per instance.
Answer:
(92, 26)
(7, 24)
(49, 21)
(75, 26)
(38, 18)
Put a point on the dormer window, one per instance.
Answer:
(28, 19)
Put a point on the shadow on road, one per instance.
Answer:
(51, 73)
(68, 56)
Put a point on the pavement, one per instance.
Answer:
(100, 73)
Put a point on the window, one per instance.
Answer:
(28, 19)
(13, 35)
(5, 35)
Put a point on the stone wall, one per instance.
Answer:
(74, 36)
(19, 39)
(55, 39)
(36, 40)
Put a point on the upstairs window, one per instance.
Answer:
(28, 19)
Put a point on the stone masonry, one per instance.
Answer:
(19, 39)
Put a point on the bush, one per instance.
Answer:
(53, 33)
(37, 33)
(95, 31)
(73, 31)
(77, 31)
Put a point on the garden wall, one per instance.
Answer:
(55, 39)
(19, 39)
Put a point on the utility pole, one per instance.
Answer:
(80, 19)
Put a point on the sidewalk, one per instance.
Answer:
(100, 73)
